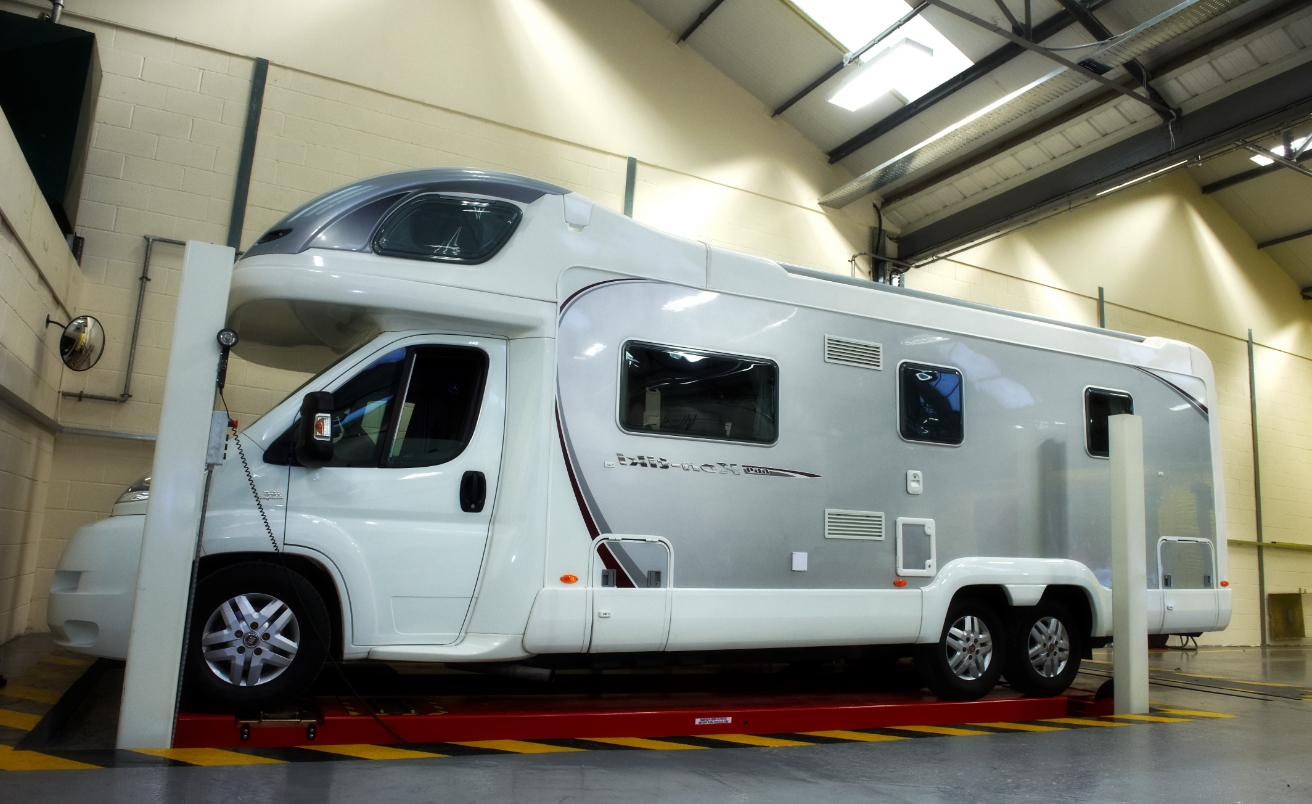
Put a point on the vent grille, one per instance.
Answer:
(854, 524)
(848, 352)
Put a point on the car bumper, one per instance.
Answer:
(94, 587)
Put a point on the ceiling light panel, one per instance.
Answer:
(910, 63)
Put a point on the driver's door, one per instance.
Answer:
(403, 508)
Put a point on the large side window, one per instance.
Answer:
(682, 392)
(447, 229)
(442, 400)
(1098, 405)
(929, 404)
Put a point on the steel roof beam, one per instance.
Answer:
(1275, 103)
(1277, 241)
(1161, 108)
(697, 23)
(1095, 28)
(1279, 160)
(948, 88)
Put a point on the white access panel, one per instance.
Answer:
(916, 553)
(630, 604)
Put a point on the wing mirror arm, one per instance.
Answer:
(313, 434)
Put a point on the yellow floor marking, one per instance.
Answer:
(12, 760)
(520, 747)
(947, 730)
(66, 661)
(30, 693)
(1080, 721)
(371, 751)
(855, 736)
(643, 742)
(753, 739)
(1019, 726)
(1154, 718)
(1192, 712)
(208, 756)
(18, 720)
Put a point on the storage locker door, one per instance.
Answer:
(630, 596)
(1187, 577)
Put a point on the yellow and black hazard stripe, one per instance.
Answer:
(33, 704)
(11, 759)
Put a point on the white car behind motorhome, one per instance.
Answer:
(553, 431)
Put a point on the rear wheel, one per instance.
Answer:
(1045, 645)
(967, 660)
(257, 638)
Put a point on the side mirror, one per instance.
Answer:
(82, 343)
(314, 432)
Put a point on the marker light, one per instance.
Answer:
(323, 427)
(900, 582)
(569, 579)
(1225, 583)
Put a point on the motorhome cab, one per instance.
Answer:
(551, 430)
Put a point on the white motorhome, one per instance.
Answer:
(551, 431)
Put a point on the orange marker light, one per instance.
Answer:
(899, 583)
(1225, 583)
(569, 579)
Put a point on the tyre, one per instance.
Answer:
(967, 660)
(258, 638)
(1045, 643)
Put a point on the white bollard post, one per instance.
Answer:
(1129, 566)
(168, 546)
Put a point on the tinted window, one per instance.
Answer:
(930, 404)
(690, 393)
(1098, 405)
(361, 409)
(441, 406)
(435, 227)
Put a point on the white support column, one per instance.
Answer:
(168, 547)
(1129, 566)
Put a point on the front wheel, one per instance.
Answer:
(1045, 645)
(967, 660)
(257, 639)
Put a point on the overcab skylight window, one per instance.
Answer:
(909, 63)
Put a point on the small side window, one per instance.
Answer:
(447, 229)
(361, 411)
(1098, 405)
(930, 404)
(681, 392)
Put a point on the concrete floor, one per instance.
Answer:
(1259, 755)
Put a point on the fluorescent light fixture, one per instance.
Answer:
(1279, 150)
(855, 22)
(1141, 178)
(891, 69)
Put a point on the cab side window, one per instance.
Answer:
(410, 407)
(440, 409)
(1098, 405)
(929, 404)
(361, 409)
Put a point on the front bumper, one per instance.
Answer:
(95, 586)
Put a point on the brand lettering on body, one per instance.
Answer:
(717, 468)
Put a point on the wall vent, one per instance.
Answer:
(854, 524)
(848, 352)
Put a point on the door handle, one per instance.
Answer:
(473, 492)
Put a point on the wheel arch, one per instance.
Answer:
(313, 571)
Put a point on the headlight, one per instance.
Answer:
(137, 492)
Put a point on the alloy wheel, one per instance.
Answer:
(969, 647)
(250, 639)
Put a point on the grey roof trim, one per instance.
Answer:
(312, 219)
(920, 294)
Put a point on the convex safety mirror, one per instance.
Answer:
(82, 343)
(314, 431)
